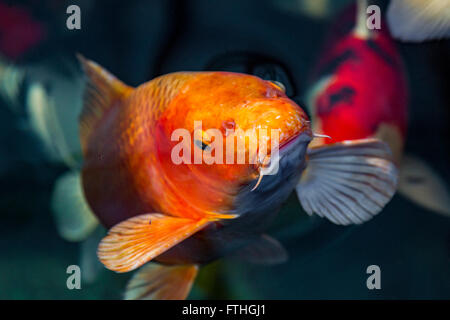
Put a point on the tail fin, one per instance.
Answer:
(44, 122)
(50, 101)
(46, 98)
(159, 282)
(74, 219)
(419, 183)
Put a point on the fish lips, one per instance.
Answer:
(274, 189)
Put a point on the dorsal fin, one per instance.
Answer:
(103, 90)
(361, 31)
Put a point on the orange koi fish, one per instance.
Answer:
(184, 215)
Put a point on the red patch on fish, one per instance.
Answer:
(19, 31)
(366, 86)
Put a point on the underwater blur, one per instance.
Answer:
(358, 90)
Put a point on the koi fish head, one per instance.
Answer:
(223, 133)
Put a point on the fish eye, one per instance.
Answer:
(204, 142)
(201, 145)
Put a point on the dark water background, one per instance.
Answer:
(138, 40)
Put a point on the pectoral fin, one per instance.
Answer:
(138, 240)
(419, 183)
(348, 182)
(159, 282)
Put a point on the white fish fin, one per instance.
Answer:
(11, 80)
(348, 182)
(103, 90)
(361, 30)
(139, 239)
(74, 219)
(45, 124)
(161, 282)
(264, 250)
(422, 185)
(419, 20)
(89, 262)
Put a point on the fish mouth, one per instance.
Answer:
(267, 167)
(267, 191)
